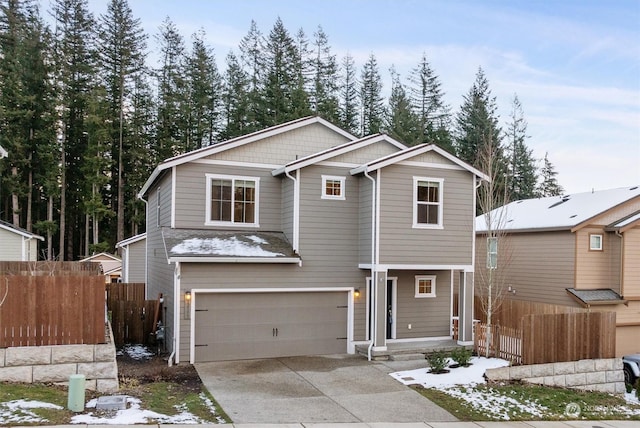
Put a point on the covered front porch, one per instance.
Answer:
(410, 312)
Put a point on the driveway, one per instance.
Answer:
(336, 388)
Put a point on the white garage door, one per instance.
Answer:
(230, 326)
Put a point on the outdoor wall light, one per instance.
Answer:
(187, 296)
(356, 293)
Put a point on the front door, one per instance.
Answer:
(390, 309)
(390, 312)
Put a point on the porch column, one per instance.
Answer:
(380, 310)
(465, 309)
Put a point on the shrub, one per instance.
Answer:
(437, 362)
(462, 356)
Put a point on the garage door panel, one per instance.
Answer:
(265, 325)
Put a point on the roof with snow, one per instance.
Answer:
(556, 212)
(203, 245)
(600, 296)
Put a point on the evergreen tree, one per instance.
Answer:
(477, 121)
(324, 92)
(549, 183)
(235, 99)
(300, 106)
(122, 54)
(171, 127)
(348, 104)
(426, 95)
(371, 100)
(75, 66)
(282, 70)
(401, 124)
(205, 95)
(522, 178)
(253, 63)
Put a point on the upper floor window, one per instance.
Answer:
(425, 286)
(232, 200)
(333, 187)
(595, 242)
(427, 202)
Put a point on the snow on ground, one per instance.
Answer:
(460, 382)
(137, 352)
(19, 411)
(134, 414)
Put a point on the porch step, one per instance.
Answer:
(406, 357)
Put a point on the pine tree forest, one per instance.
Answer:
(85, 116)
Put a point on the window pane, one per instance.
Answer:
(428, 191)
(432, 214)
(424, 286)
(244, 198)
(220, 200)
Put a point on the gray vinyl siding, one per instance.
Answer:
(284, 148)
(11, 248)
(160, 279)
(366, 208)
(190, 210)
(428, 316)
(287, 201)
(539, 266)
(366, 154)
(401, 243)
(137, 269)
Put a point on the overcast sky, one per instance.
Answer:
(574, 64)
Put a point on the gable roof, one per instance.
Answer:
(625, 223)
(559, 212)
(415, 151)
(100, 257)
(237, 142)
(336, 151)
(19, 231)
(131, 240)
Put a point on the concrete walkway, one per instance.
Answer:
(317, 390)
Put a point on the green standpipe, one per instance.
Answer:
(76, 393)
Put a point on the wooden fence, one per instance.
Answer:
(52, 268)
(51, 310)
(550, 338)
(133, 319)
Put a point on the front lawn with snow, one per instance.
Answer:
(465, 394)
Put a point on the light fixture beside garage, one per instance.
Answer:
(356, 293)
(187, 296)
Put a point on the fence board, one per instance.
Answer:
(51, 310)
(132, 317)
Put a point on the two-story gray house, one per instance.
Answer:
(303, 239)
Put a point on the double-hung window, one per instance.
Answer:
(427, 202)
(232, 200)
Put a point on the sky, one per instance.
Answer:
(574, 64)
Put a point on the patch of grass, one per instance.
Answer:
(166, 398)
(46, 393)
(529, 402)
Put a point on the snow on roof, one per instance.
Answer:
(556, 212)
(189, 243)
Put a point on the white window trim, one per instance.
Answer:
(208, 221)
(438, 225)
(419, 295)
(323, 191)
(591, 247)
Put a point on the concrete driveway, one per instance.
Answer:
(330, 389)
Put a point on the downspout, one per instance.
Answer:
(296, 211)
(462, 327)
(372, 293)
(176, 315)
(146, 242)
(621, 236)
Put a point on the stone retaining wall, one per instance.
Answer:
(42, 364)
(604, 375)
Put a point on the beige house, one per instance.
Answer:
(111, 266)
(304, 239)
(17, 244)
(575, 250)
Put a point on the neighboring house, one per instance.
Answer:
(265, 245)
(111, 266)
(18, 244)
(576, 250)
(134, 258)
